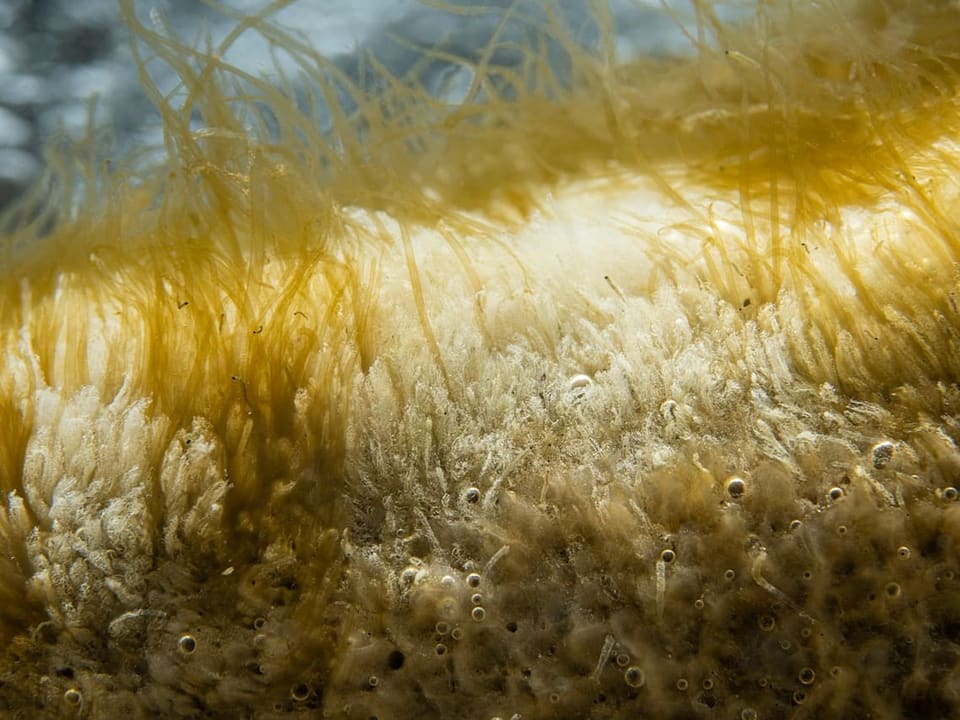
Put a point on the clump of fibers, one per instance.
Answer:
(621, 387)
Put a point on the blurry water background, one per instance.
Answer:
(57, 54)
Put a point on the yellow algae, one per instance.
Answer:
(619, 387)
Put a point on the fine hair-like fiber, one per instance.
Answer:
(619, 386)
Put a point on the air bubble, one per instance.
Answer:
(300, 692)
(187, 644)
(748, 714)
(442, 628)
(440, 649)
(473, 580)
(623, 660)
(456, 633)
(707, 684)
(579, 384)
(698, 604)
(476, 599)
(736, 487)
(785, 645)
(893, 590)
(799, 697)
(373, 681)
(73, 697)
(408, 575)
(729, 575)
(950, 493)
(478, 614)
(634, 677)
(835, 671)
(807, 676)
(668, 556)
(554, 698)
(447, 580)
(841, 529)
(835, 493)
(882, 453)
(259, 623)
(796, 525)
(903, 552)
(472, 495)
(682, 684)
(767, 623)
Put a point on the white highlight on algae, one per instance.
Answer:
(623, 388)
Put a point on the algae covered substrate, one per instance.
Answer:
(516, 360)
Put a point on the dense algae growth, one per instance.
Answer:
(607, 386)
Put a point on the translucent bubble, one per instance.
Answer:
(903, 552)
(300, 692)
(668, 556)
(950, 493)
(682, 684)
(841, 529)
(623, 660)
(729, 575)
(73, 697)
(554, 698)
(807, 676)
(579, 385)
(707, 684)
(634, 677)
(476, 598)
(799, 697)
(442, 628)
(456, 633)
(767, 623)
(893, 590)
(187, 644)
(698, 604)
(472, 495)
(373, 681)
(835, 493)
(736, 487)
(259, 623)
(785, 645)
(478, 614)
(473, 580)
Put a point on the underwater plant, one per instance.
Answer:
(544, 378)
